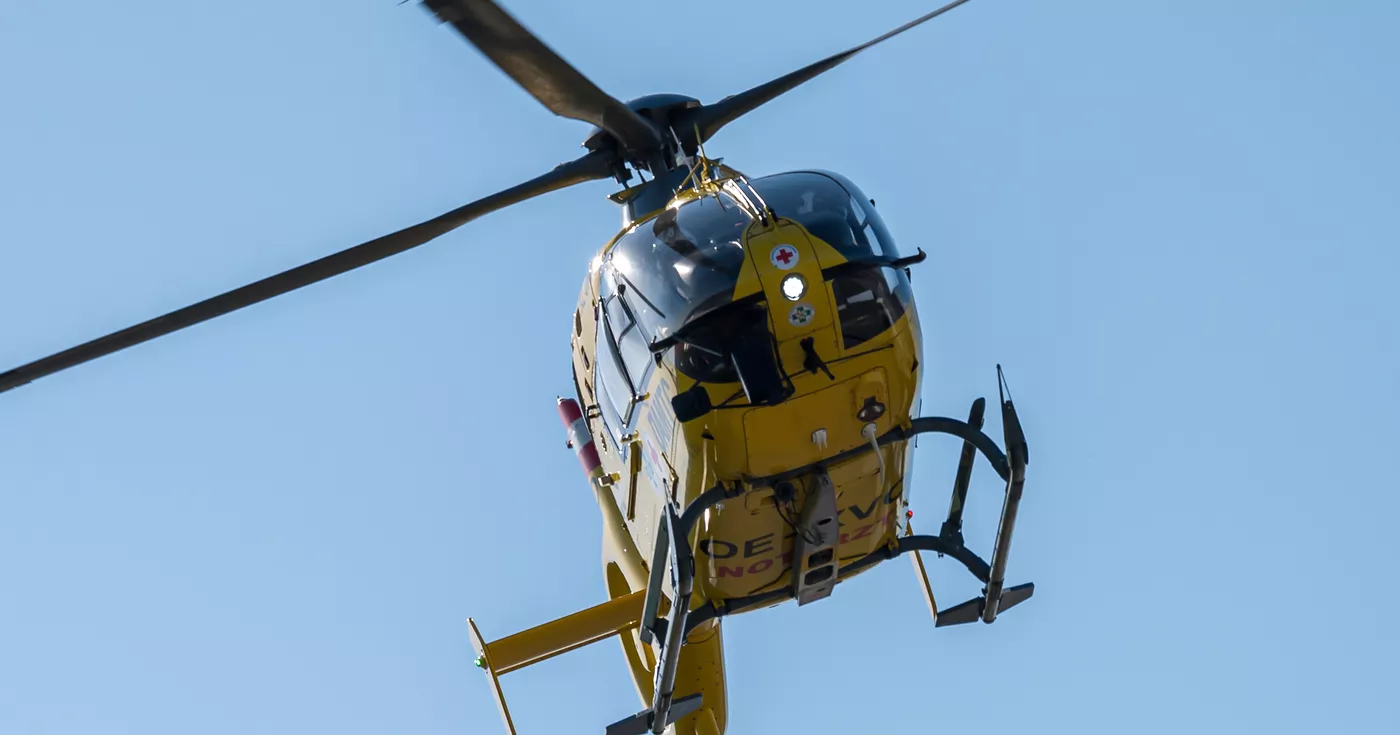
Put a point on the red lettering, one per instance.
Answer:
(858, 533)
(731, 571)
(760, 566)
(864, 531)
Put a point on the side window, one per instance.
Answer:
(614, 395)
(633, 346)
(624, 355)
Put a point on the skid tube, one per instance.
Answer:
(668, 634)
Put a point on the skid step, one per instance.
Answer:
(972, 610)
(645, 721)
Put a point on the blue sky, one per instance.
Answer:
(1174, 224)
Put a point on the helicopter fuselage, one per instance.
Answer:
(808, 282)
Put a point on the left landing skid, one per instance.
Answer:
(667, 635)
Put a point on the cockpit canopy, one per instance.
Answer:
(685, 262)
(673, 277)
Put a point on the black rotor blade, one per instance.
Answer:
(710, 118)
(594, 165)
(542, 72)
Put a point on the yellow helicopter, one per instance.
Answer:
(747, 364)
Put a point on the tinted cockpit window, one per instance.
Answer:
(869, 302)
(682, 263)
(704, 353)
(832, 210)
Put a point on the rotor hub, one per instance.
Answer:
(660, 111)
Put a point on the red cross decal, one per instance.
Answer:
(784, 257)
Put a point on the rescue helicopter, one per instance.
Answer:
(746, 357)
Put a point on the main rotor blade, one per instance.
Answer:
(710, 118)
(594, 165)
(542, 72)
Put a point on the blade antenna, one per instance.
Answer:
(1003, 388)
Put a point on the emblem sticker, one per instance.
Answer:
(801, 315)
(784, 257)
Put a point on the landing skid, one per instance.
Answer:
(666, 634)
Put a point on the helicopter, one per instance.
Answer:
(746, 359)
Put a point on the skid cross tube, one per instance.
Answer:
(963, 479)
(925, 425)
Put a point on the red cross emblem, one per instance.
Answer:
(784, 257)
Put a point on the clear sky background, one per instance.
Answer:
(1174, 223)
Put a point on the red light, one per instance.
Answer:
(909, 514)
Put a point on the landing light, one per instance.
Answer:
(793, 287)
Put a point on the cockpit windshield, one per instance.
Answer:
(682, 263)
(831, 208)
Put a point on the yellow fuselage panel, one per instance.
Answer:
(746, 547)
(824, 417)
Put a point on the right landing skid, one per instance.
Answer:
(1012, 468)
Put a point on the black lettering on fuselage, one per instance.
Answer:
(887, 499)
(863, 514)
(761, 545)
(708, 548)
(764, 545)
